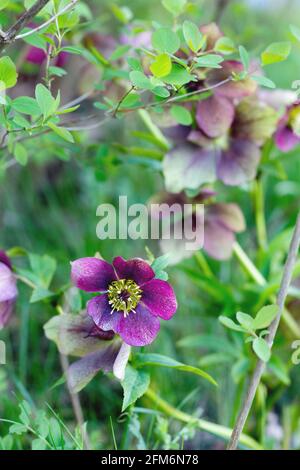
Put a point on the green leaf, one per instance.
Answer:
(165, 40)
(181, 115)
(176, 7)
(295, 31)
(40, 293)
(135, 384)
(159, 265)
(245, 320)
(4, 4)
(20, 154)
(261, 349)
(178, 76)
(47, 103)
(276, 52)
(17, 428)
(142, 360)
(265, 317)
(230, 324)
(140, 80)
(211, 61)
(57, 71)
(225, 46)
(244, 57)
(263, 81)
(280, 370)
(8, 73)
(43, 268)
(161, 66)
(119, 52)
(192, 36)
(26, 105)
(161, 92)
(62, 132)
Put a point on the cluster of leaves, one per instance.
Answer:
(49, 432)
(250, 326)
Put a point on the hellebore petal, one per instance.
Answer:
(81, 372)
(285, 139)
(6, 310)
(8, 285)
(100, 311)
(197, 137)
(277, 98)
(188, 167)
(76, 335)
(159, 298)
(5, 259)
(135, 269)
(215, 115)
(35, 55)
(212, 33)
(177, 134)
(140, 328)
(92, 274)
(218, 240)
(232, 89)
(228, 215)
(254, 121)
(239, 163)
(121, 361)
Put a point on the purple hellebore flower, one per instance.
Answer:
(132, 300)
(221, 222)
(288, 133)
(8, 289)
(225, 146)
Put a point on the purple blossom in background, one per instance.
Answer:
(287, 135)
(131, 302)
(8, 289)
(221, 222)
(231, 127)
(37, 56)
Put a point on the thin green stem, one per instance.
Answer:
(259, 208)
(203, 264)
(212, 428)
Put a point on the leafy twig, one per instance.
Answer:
(53, 18)
(255, 380)
(9, 36)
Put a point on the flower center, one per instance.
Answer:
(124, 296)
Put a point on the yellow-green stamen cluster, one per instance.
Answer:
(124, 296)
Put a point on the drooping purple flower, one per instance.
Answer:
(8, 289)
(220, 223)
(131, 302)
(225, 146)
(37, 56)
(79, 336)
(288, 133)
